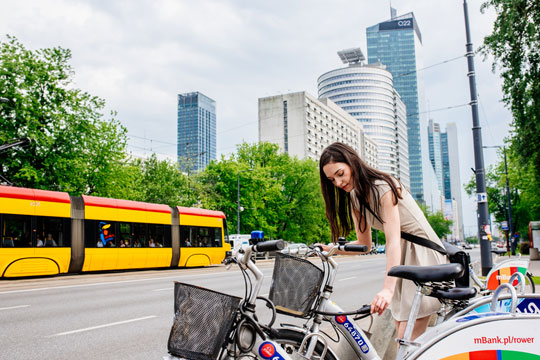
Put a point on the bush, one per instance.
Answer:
(524, 248)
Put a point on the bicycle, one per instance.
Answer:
(210, 325)
(430, 280)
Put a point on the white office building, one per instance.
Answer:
(367, 93)
(303, 126)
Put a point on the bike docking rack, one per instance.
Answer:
(210, 325)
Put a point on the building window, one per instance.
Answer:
(285, 127)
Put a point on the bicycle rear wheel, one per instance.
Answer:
(290, 340)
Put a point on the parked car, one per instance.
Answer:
(381, 249)
(467, 246)
(297, 249)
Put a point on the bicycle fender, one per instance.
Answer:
(350, 330)
(502, 271)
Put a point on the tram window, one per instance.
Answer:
(185, 237)
(199, 236)
(16, 231)
(139, 235)
(159, 235)
(124, 235)
(217, 237)
(52, 232)
(99, 233)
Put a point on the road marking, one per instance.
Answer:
(110, 283)
(102, 326)
(14, 307)
(349, 278)
(169, 288)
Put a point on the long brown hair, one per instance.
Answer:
(338, 201)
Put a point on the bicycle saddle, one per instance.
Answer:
(454, 293)
(423, 274)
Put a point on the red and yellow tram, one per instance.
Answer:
(48, 233)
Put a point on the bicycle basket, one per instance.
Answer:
(295, 285)
(202, 320)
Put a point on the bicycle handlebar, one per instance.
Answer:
(271, 245)
(353, 247)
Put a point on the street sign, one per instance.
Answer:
(504, 225)
(481, 197)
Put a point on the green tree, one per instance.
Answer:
(72, 147)
(162, 182)
(280, 195)
(524, 195)
(438, 223)
(515, 44)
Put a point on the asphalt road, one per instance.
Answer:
(129, 315)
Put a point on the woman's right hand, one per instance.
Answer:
(322, 246)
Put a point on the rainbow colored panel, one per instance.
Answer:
(503, 275)
(493, 355)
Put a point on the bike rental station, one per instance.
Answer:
(493, 318)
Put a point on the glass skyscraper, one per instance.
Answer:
(446, 166)
(196, 136)
(396, 43)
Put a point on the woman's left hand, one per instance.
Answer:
(381, 301)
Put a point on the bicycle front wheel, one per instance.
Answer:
(529, 284)
(290, 340)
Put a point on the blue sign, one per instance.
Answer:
(504, 225)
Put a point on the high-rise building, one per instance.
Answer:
(367, 93)
(397, 44)
(455, 177)
(435, 152)
(443, 151)
(445, 166)
(196, 136)
(303, 126)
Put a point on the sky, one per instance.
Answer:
(139, 54)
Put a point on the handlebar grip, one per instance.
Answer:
(271, 245)
(355, 247)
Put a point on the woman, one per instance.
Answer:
(360, 197)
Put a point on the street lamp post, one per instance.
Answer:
(509, 203)
(238, 199)
(483, 214)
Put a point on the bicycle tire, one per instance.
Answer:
(528, 277)
(287, 337)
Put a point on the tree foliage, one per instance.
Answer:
(524, 194)
(72, 147)
(438, 223)
(279, 194)
(515, 46)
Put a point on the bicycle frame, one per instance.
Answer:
(263, 347)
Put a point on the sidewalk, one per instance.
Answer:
(534, 267)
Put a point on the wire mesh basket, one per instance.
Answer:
(295, 285)
(202, 320)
